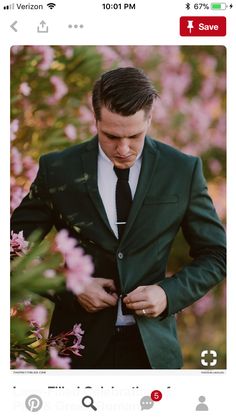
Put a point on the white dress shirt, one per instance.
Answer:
(107, 180)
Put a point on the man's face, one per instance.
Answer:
(122, 137)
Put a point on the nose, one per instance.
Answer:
(123, 147)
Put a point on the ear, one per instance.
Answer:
(149, 118)
(95, 117)
(97, 123)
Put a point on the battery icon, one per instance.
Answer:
(218, 6)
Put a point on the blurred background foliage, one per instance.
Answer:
(51, 109)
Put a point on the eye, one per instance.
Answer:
(112, 137)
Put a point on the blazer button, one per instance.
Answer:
(120, 255)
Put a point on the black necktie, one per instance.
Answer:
(123, 198)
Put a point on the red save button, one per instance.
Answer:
(203, 26)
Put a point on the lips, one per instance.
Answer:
(123, 158)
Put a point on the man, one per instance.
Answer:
(124, 196)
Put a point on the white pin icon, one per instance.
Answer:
(190, 25)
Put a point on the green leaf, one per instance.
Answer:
(19, 330)
(37, 251)
(28, 341)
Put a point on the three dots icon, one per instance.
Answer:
(70, 26)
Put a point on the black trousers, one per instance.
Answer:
(124, 351)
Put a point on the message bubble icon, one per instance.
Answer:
(146, 403)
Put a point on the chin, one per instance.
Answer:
(124, 164)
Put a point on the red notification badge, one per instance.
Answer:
(156, 395)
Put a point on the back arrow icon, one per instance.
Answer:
(13, 26)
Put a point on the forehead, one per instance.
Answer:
(120, 125)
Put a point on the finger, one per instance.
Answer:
(97, 306)
(110, 291)
(140, 305)
(144, 313)
(136, 295)
(134, 298)
(138, 290)
(98, 302)
(108, 283)
(109, 299)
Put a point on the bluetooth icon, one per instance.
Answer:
(187, 5)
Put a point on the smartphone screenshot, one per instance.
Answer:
(117, 182)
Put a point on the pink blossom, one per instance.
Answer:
(77, 330)
(200, 120)
(75, 348)
(18, 244)
(49, 273)
(16, 49)
(68, 51)
(86, 116)
(208, 87)
(114, 54)
(47, 56)
(16, 161)
(109, 54)
(57, 361)
(27, 302)
(75, 281)
(14, 128)
(21, 364)
(62, 342)
(64, 243)
(80, 269)
(60, 90)
(78, 333)
(25, 89)
(143, 53)
(124, 50)
(217, 192)
(17, 194)
(37, 315)
(208, 65)
(171, 56)
(221, 82)
(217, 137)
(30, 167)
(204, 305)
(76, 258)
(37, 330)
(215, 166)
(70, 132)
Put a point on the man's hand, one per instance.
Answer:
(149, 300)
(99, 293)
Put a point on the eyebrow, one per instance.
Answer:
(118, 137)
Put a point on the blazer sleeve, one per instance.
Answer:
(35, 211)
(206, 237)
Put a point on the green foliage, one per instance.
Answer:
(29, 282)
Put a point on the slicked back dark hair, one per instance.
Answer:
(124, 90)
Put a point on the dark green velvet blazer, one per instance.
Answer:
(171, 194)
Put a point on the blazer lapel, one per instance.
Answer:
(89, 159)
(150, 158)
